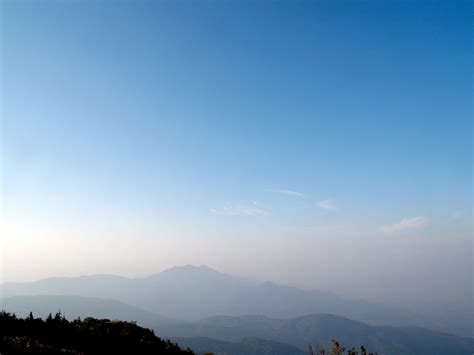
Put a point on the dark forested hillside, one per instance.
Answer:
(57, 335)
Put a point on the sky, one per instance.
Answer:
(321, 144)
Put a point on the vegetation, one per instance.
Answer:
(57, 335)
(90, 336)
(337, 349)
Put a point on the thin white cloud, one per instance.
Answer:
(327, 205)
(456, 215)
(239, 210)
(289, 193)
(405, 224)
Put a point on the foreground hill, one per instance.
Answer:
(56, 335)
(193, 293)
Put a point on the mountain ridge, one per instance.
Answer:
(226, 333)
(194, 292)
(321, 329)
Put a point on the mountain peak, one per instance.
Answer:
(189, 269)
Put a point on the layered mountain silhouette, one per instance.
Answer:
(321, 329)
(236, 335)
(245, 346)
(191, 293)
(73, 307)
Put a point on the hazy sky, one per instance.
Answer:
(323, 144)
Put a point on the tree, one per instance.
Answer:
(337, 349)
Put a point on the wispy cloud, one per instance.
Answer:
(289, 193)
(405, 224)
(327, 205)
(239, 210)
(456, 215)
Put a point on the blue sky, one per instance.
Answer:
(158, 121)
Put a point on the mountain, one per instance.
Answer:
(321, 329)
(73, 307)
(246, 346)
(193, 293)
(251, 334)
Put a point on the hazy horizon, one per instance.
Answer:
(326, 145)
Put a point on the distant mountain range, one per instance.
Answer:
(73, 307)
(321, 329)
(251, 335)
(192, 293)
(245, 346)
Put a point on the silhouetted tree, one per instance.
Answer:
(56, 335)
(336, 349)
